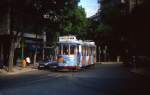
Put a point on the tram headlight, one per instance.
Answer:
(60, 60)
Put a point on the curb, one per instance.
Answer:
(109, 62)
(140, 72)
(19, 71)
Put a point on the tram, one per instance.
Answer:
(75, 54)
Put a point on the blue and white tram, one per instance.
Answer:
(75, 54)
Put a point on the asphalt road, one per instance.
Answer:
(108, 79)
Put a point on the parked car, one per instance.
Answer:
(47, 64)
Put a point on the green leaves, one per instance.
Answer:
(75, 20)
(103, 28)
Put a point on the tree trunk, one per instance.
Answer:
(43, 57)
(2, 53)
(35, 55)
(13, 46)
(44, 44)
(99, 54)
(11, 56)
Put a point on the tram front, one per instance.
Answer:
(66, 53)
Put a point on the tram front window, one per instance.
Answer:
(59, 49)
(65, 49)
(72, 49)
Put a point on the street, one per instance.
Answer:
(104, 79)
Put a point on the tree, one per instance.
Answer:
(75, 21)
(103, 28)
(52, 13)
(19, 17)
(109, 10)
(36, 16)
(62, 16)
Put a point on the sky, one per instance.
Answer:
(91, 6)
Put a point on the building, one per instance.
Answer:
(125, 6)
(134, 3)
(29, 43)
(128, 5)
(16, 23)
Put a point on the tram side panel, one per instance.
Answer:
(88, 56)
(93, 55)
(82, 57)
(79, 55)
(70, 61)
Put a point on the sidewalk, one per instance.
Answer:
(109, 62)
(142, 71)
(18, 70)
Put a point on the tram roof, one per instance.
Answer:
(73, 40)
(80, 42)
(69, 42)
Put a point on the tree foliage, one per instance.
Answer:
(75, 21)
(103, 28)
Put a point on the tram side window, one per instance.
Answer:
(83, 51)
(92, 50)
(72, 49)
(89, 50)
(87, 53)
(65, 49)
